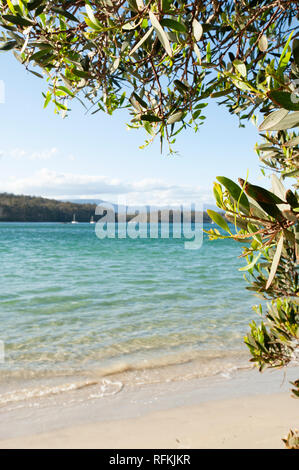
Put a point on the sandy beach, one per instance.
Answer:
(251, 422)
(251, 410)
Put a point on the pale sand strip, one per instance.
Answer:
(246, 422)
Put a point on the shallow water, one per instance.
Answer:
(139, 311)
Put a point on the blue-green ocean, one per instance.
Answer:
(137, 309)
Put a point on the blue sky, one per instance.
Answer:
(95, 156)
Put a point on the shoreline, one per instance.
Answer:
(250, 410)
(174, 367)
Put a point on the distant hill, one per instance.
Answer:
(38, 209)
(15, 208)
(100, 201)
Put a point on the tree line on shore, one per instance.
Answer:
(21, 208)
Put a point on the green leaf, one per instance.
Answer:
(261, 195)
(292, 143)
(219, 220)
(175, 117)
(40, 10)
(80, 73)
(181, 86)
(166, 5)
(275, 262)
(277, 187)
(19, 20)
(252, 264)
(10, 6)
(217, 190)
(175, 25)
(288, 122)
(142, 40)
(115, 65)
(197, 52)
(241, 84)
(256, 210)
(285, 50)
(217, 94)
(47, 99)
(290, 173)
(132, 4)
(91, 24)
(201, 106)
(34, 4)
(273, 119)
(283, 99)
(135, 103)
(235, 192)
(160, 33)
(150, 118)
(35, 73)
(208, 53)
(296, 51)
(241, 223)
(60, 105)
(292, 199)
(130, 26)
(241, 67)
(66, 14)
(66, 90)
(296, 230)
(95, 23)
(7, 46)
(140, 101)
(40, 54)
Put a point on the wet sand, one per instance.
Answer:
(250, 410)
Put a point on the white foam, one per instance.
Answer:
(43, 391)
(107, 388)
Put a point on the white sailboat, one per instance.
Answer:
(92, 220)
(74, 221)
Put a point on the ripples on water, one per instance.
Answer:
(73, 304)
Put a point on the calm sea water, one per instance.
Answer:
(145, 309)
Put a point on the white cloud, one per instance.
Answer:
(44, 154)
(16, 153)
(74, 186)
(19, 153)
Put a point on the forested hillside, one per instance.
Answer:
(38, 209)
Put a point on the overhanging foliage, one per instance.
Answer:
(163, 60)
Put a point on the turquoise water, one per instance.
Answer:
(71, 303)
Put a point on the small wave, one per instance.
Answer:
(231, 371)
(110, 380)
(106, 388)
(203, 362)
